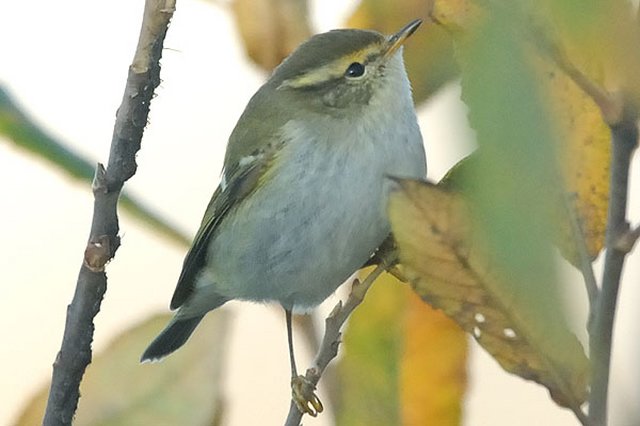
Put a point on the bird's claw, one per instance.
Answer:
(303, 394)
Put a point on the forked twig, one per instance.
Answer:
(334, 322)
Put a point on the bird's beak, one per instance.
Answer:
(396, 40)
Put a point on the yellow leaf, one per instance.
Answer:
(584, 158)
(428, 53)
(443, 254)
(118, 390)
(402, 362)
(596, 37)
(456, 14)
(584, 42)
(433, 371)
(271, 29)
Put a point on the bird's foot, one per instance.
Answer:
(303, 394)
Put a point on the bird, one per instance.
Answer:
(301, 204)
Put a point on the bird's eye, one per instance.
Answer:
(355, 70)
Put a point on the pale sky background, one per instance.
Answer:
(66, 62)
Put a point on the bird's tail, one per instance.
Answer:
(171, 338)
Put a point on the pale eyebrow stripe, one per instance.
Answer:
(332, 71)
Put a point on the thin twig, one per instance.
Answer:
(131, 118)
(610, 106)
(624, 139)
(334, 322)
(611, 110)
(305, 325)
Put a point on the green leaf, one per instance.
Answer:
(184, 388)
(271, 30)
(369, 369)
(18, 128)
(515, 168)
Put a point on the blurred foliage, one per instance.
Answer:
(444, 255)
(534, 92)
(118, 390)
(570, 47)
(582, 40)
(515, 167)
(402, 363)
(599, 38)
(434, 366)
(369, 370)
(271, 29)
(24, 133)
(583, 158)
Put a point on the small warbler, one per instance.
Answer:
(302, 201)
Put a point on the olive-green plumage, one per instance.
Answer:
(269, 109)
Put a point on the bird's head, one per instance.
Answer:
(344, 70)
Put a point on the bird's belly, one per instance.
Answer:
(317, 218)
(300, 236)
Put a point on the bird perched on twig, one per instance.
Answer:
(302, 201)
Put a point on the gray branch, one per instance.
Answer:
(624, 140)
(131, 119)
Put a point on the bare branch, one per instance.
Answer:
(628, 239)
(624, 140)
(306, 325)
(131, 119)
(334, 322)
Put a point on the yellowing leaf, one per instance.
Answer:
(443, 253)
(596, 37)
(271, 29)
(456, 14)
(182, 389)
(428, 53)
(433, 370)
(576, 47)
(402, 362)
(584, 158)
